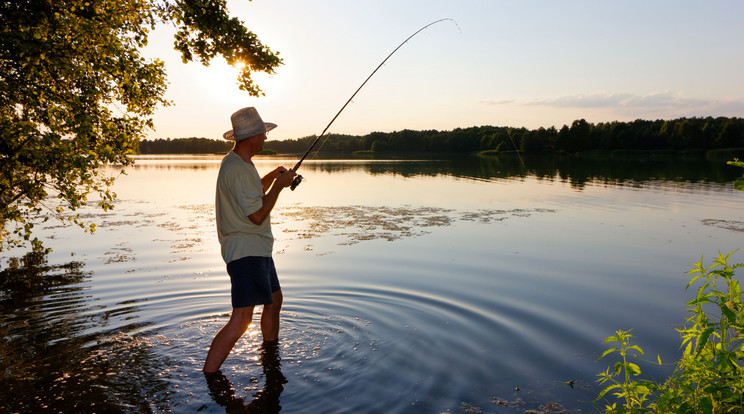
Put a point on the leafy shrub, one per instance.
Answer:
(738, 184)
(709, 377)
(621, 378)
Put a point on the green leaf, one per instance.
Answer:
(607, 352)
(66, 69)
(607, 389)
(725, 363)
(642, 390)
(701, 299)
(618, 367)
(702, 340)
(726, 312)
(735, 288)
(692, 280)
(610, 339)
(633, 369)
(706, 405)
(636, 348)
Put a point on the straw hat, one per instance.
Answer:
(247, 123)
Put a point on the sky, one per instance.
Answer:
(514, 63)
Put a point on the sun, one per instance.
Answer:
(240, 65)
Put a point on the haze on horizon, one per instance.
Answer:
(505, 63)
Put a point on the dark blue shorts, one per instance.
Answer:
(253, 280)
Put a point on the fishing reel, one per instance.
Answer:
(297, 180)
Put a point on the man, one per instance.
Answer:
(242, 206)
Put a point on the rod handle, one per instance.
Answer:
(297, 180)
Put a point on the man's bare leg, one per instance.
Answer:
(226, 338)
(270, 317)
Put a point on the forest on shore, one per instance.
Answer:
(184, 146)
(679, 134)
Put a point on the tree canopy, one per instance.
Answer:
(76, 94)
(191, 145)
(676, 134)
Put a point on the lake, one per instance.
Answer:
(411, 286)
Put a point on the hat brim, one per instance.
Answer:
(230, 135)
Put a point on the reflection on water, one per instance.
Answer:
(575, 170)
(265, 401)
(457, 285)
(59, 352)
(578, 172)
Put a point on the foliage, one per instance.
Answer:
(708, 378)
(634, 393)
(76, 94)
(329, 143)
(699, 134)
(738, 184)
(185, 146)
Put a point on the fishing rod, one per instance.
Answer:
(298, 179)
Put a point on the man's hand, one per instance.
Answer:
(271, 176)
(285, 178)
(278, 171)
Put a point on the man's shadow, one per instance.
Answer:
(266, 400)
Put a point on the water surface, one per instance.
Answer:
(410, 286)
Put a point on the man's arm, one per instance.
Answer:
(270, 177)
(269, 199)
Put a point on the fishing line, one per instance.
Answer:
(298, 178)
(517, 151)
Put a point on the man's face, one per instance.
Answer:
(257, 142)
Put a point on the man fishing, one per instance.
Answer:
(242, 206)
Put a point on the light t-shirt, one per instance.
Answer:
(240, 194)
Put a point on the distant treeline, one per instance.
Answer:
(185, 146)
(678, 134)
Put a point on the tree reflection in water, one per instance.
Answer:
(59, 351)
(266, 400)
(612, 168)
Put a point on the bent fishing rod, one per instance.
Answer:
(298, 178)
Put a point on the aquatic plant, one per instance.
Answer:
(708, 377)
(738, 184)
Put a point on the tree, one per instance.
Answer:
(538, 141)
(578, 137)
(76, 94)
(691, 134)
(731, 135)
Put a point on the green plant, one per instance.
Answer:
(621, 378)
(738, 184)
(77, 94)
(709, 378)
